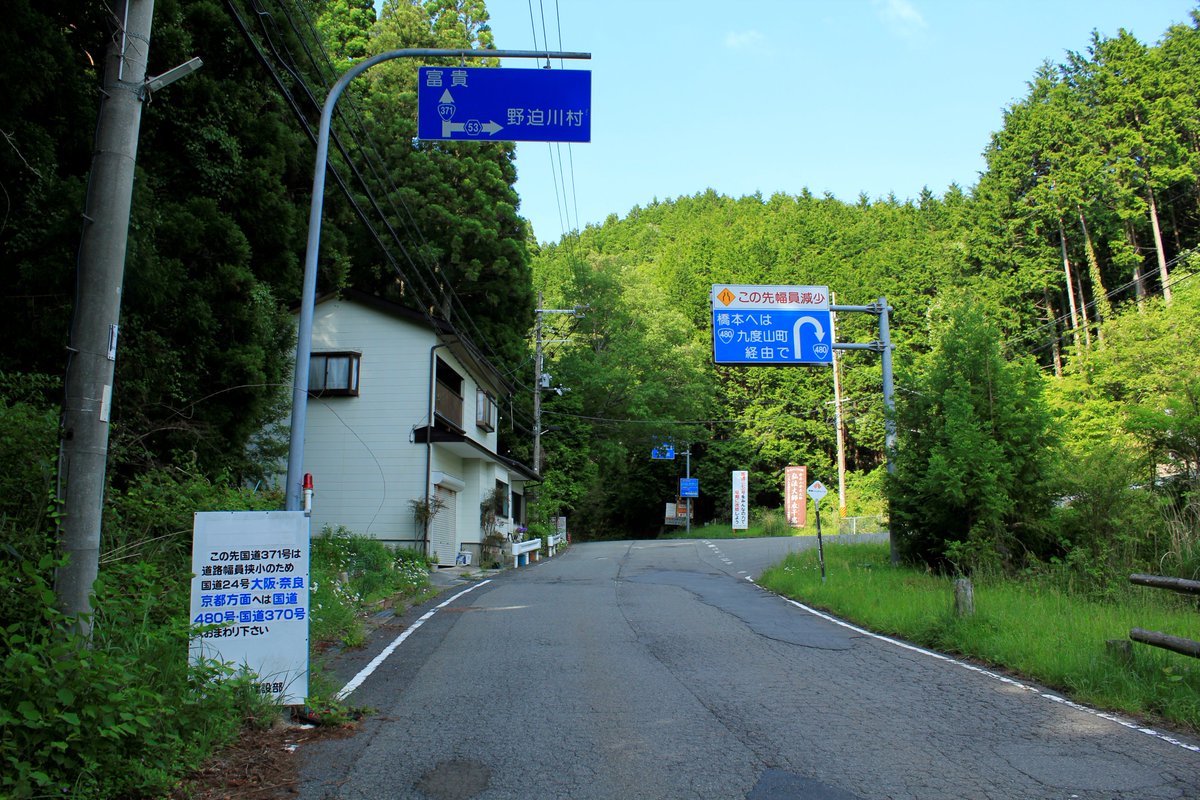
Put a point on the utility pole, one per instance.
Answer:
(540, 380)
(537, 388)
(837, 416)
(688, 472)
(92, 352)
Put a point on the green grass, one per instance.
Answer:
(1030, 628)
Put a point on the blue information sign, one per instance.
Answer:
(663, 452)
(689, 487)
(504, 105)
(771, 326)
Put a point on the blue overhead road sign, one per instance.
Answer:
(771, 326)
(504, 105)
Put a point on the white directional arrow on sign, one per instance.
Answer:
(470, 127)
(806, 320)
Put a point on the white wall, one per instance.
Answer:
(365, 467)
(361, 451)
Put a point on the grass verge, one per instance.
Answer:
(1030, 628)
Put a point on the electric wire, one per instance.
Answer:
(422, 288)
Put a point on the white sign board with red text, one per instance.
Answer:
(250, 582)
(741, 500)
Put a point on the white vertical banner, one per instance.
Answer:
(250, 580)
(741, 500)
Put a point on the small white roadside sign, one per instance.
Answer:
(250, 581)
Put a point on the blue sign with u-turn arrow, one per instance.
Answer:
(771, 326)
(504, 105)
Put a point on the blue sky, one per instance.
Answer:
(838, 96)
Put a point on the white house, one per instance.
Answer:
(402, 409)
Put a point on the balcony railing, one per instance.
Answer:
(448, 404)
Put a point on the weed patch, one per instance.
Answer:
(1051, 635)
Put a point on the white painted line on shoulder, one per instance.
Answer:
(366, 671)
(988, 673)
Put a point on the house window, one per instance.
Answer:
(485, 410)
(501, 499)
(334, 374)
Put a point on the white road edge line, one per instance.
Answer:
(987, 673)
(366, 671)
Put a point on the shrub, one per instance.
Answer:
(773, 522)
(348, 572)
(126, 715)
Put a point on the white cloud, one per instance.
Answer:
(736, 40)
(901, 17)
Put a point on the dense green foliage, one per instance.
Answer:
(1068, 259)
(970, 482)
(1048, 410)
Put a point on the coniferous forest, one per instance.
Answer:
(1047, 355)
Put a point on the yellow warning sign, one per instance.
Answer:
(726, 296)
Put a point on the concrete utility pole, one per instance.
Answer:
(542, 381)
(838, 422)
(101, 269)
(537, 388)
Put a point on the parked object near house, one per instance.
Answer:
(401, 432)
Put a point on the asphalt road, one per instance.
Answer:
(655, 669)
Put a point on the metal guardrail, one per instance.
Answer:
(1177, 644)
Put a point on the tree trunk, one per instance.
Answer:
(1062, 243)
(1054, 347)
(1100, 298)
(1139, 280)
(1158, 246)
(1083, 315)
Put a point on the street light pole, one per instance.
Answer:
(295, 467)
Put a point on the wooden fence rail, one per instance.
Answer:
(1176, 644)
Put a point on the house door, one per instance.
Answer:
(442, 532)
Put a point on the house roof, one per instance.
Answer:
(465, 350)
(466, 447)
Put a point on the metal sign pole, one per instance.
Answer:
(688, 473)
(883, 346)
(820, 544)
(295, 467)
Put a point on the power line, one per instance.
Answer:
(424, 288)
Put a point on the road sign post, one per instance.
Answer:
(816, 491)
(295, 464)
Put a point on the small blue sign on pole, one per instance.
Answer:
(689, 487)
(504, 105)
(664, 452)
(771, 326)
